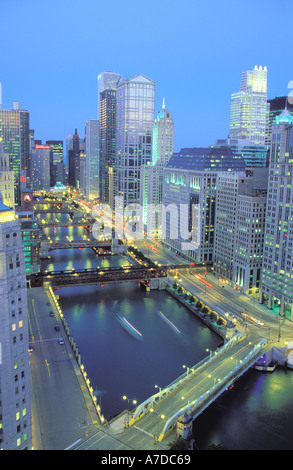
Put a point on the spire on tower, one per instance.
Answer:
(163, 106)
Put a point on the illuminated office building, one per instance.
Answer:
(151, 181)
(276, 107)
(41, 165)
(249, 109)
(15, 399)
(14, 131)
(92, 158)
(57, 149)
(107, 145)
(134, 125)
(277, 272)
(6, 179)
(190, 180)
(255, 156)
(106, 81)
(239, 228)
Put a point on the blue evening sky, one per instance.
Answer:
(195, 51)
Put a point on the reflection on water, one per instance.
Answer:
(257, 413)
(115, 361)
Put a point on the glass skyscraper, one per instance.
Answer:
(14, 131)
(134, 125)
(249, 109)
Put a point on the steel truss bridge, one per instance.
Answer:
(63, 244)
(81, 277)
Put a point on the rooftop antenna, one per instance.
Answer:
(163, 106)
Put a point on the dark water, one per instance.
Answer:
(119, 364)
(257, 413)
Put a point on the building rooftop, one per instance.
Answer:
(207, 159)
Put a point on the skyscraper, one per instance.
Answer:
(106, 81)
(14, 131)
(41, 164)
(15, 418)
(134, 124)
(276, 280)
(276, 106)
(74, 164)
(190, 179)
(249, 110)
(151, 187)
(107, 144)
(92, 158)
(6, 179)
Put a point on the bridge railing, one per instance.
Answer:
(197, 406)
(145, 407)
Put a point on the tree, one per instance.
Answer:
(179, 444)
(217, 447)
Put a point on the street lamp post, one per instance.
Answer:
(128, 400)
(160, 416)
(187, 369)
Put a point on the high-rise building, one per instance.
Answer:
(249, 109)
(57, 149)
(151, 181)
(15, 398)
(6, 179)
(276, 106)
(14, 131)
(163, 137)
(41, 166)
(255, 156)
(107, 145)
(69, 154)
(92, 158)
(74, 163)
(30, 233)
(134, 125)
(106, 81)
(276, 280)
(239, 228)
(190, 182)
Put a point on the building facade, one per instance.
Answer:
(107, 145)
(14, 131)
(41, 165)
(249, 109)
(277, 272)
(239, 228)
(151, 181)
(6, 180)
(134, 124)
(92, 140)
(189, 199)
(15, 399)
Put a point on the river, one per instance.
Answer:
(257, 413)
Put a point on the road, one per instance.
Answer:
(221, 297)
(57, 387)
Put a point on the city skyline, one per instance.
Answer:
(61, 97)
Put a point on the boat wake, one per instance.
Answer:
(174, 328)
(129, 327)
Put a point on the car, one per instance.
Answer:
(51, 313)
(60, 341)
(48, 303)
(30, 349)
(57, 328)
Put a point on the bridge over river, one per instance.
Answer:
(172, 410)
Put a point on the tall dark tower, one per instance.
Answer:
(74, 163)
(107, 144)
